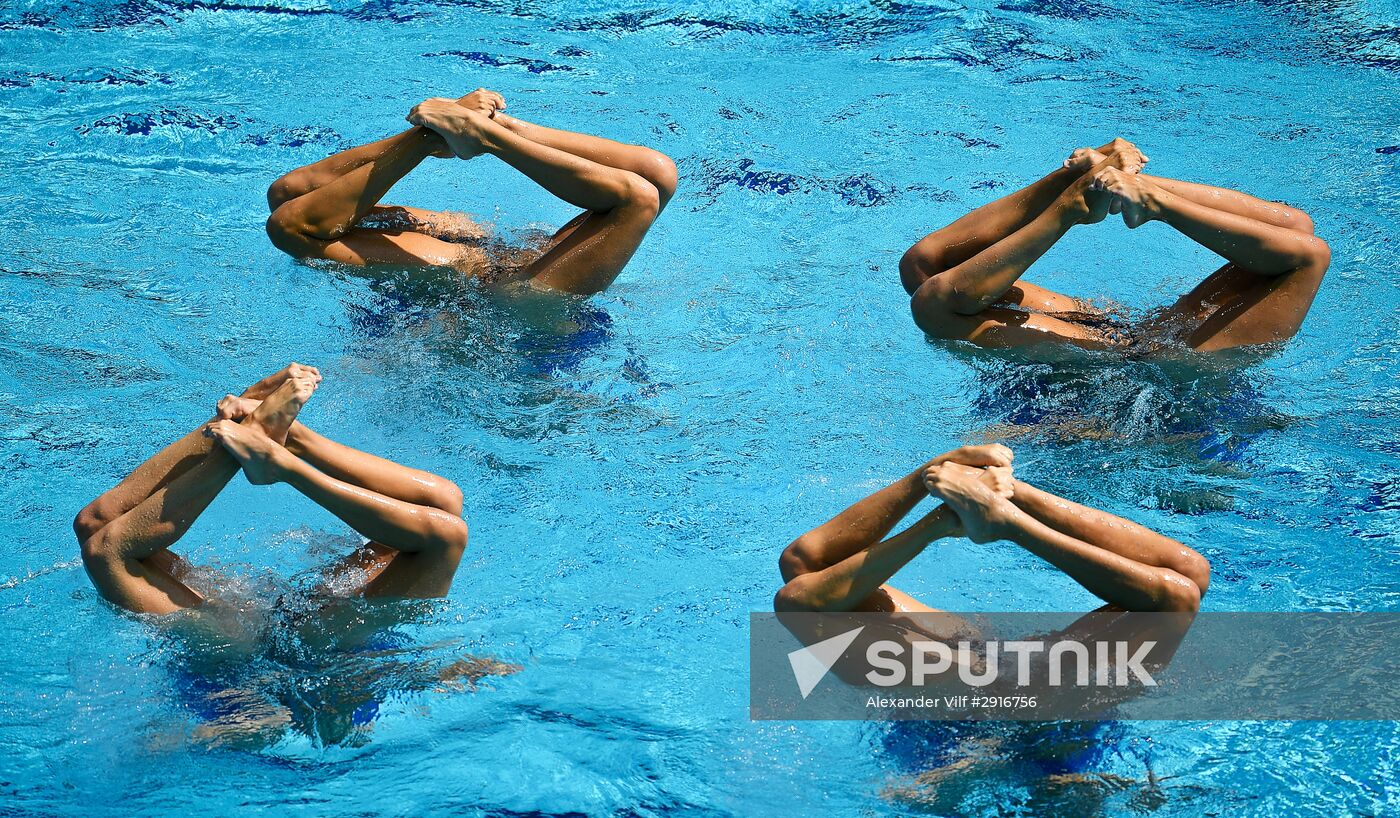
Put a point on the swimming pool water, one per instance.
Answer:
(632, 465)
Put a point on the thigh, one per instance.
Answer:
(930, 622)
(896, 601)
(564, 232)
(1211, 294)
(588, 253)
(363, 245)
(448, 226)
(1006, 328)
(946, 248)
(350, 575)
(1033, 297)
(1235, 307)
(416, 575)
(1258, 310)
(141, 586)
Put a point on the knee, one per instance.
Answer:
(284, 190)
(94, 547)
(449, 532)
(288, 233)
(1197, 569)
(446, 495)
(799, 558)
(660, 170)
(1179, 594)
(916, 266)
(640, 196)
(1317, 255)
(93, 518)
(1300, 221)
(936, 308)
(792, 598)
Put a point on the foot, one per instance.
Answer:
(1132, 156)
(979, 497)
(488, 103)
(483, 102)
(1082, 159)
(1128, 194)
(263, 459)
(268, 385)
(274, 416)
(468, 670)
(1082, 201)
(235, 407)
(463, 129)
(1000, 479)
(993, 454)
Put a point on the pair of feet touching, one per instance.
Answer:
(1113, 186)
(253, 429)
(978, 490)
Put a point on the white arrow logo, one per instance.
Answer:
(811, 664)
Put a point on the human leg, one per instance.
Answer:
(621, 204)
(126, 557)
(1274, 271)
(1120, 581)
(843, 565)
(430, 541)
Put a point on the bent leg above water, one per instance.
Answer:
(430, 541)
(652, 165)
(1119, 580)
(126, 556)
(322, 221)
(621, 204)
(843, 564)
(1113, 533)
(958, 299)
(1276, 263)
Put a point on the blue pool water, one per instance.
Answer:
(633, 465)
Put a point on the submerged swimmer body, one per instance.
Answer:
(330, 209)
(965, 279)
(412, 519)
(845, 566)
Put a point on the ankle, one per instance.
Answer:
(296, 439)
(428, 141)
(1155, 202)
(942, 523)
(282, 463)
(1070, 209)
(488, 132)
(1008, 522)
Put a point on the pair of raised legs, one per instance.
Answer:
(845, 565)
(320, 210)
(965, 279)
(411, 518)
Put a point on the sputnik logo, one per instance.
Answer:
(811, 664)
